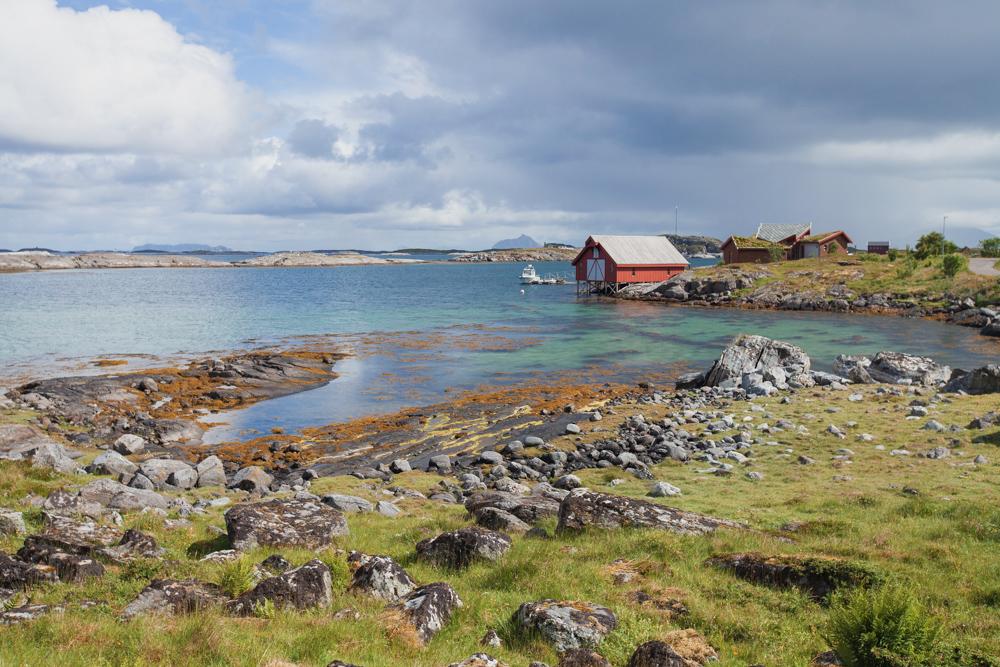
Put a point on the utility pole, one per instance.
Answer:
(676, 215)
(944, 226)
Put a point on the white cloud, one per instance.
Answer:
(960, 148)
(113, 80)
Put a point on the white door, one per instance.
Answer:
(595, 269)
(810, 250)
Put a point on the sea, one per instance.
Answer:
(415, 333)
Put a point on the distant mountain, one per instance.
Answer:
(522, 241)
(180, 247)
(967, 237)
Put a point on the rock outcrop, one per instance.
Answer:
(281, 523)
(816, 576)
(305, 587)
(172, 596)
(458, 549)
(429, 608)
(383, 578)
(584, 508)
(567, 625)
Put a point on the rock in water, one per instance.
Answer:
(284, 523)
(656, 654)
(583, 508)
(755, 354)
(172, 596)
(383, 578)
(460, 548)
(429, 608)
(567, 625)
(305, 587)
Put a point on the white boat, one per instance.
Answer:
(529, 276)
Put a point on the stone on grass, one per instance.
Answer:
(529, 509)
(18, 575)
(663, 490)
(581, 657)
(134, 544)
(346, 503)
(817, 576)
(479, 660)
(656, 654)
(583, 508)
(400, 466)
(386, 508)
(305, 587)
(383, 578)
(115, 495)
(11, 523)
(497, 519)
(253, 479)
(165, 472)
(458, 549)
(283, 523)
(567, 624)
(112, 463)
(429, 608)
(211, 472)
(172, 596)
(129, 444)
(68, 535)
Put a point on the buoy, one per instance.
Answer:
(522, 291)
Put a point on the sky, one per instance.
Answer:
(380, 124)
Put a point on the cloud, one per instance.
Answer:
(107, 80)
(312, 137)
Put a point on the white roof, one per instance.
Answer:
(640, 249)
(775, 233)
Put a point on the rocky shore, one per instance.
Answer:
(747, 288)
(493, 552)
(309, 259)
(519, 255)
(101, 260)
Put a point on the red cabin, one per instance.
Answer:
(609, 262)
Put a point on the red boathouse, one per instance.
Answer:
(608, 263)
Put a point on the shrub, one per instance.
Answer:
(236, 577)
(893, 254)
(952, 264)
(883, 627)
(933, 243)
(906, 269)
(869, 257)
(776, 253)
(991, 247)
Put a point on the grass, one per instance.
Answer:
(941, 543)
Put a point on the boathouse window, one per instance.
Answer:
(633, 272)
(597, 253)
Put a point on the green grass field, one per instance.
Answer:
(943, 542)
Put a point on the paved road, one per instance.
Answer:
(983, 266)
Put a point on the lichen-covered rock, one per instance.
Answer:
(479, 660)
(429, 608)
(27, 612)
(817, 576)
(284, 523)
(18, 575)
(304, 587)
(11, 523)
(129, 444)
(582, 657)
(755, 354)
(498, 519)
(68, 535)
(897, 367)
(567, 624)
(656, 654)
(115, 495)
(530, 509)
(460, 548)
(346, 503)
(71, 567)
(172, 596)
(134, 544)
(112, 463)
(383, 578)
(583, 508)
(983, 380)
(168, 472)
(691, 647)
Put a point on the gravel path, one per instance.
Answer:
(983, 266)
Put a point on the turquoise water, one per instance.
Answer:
(50, 321)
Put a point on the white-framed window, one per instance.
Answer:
(597, 253)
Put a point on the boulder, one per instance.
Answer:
(134, 544)
(129, 444)
(530, 509)
(115, 495)
(386, 508)
(27, 612)
(497, 519)
(441, 463)
(346, 503)
(383, 578)
(305, 587)
(983, 380)
(656, 654)
(173, 596)
(429, 608)
(567, 625)
(281, 523)
(691, 646)
(755, 354)
(11, 523)
(900, 368)
(817, 576)
(253, 479)
(211, 472)
(478, 660)
(583, 508)
(168, 472)
(663, 490)
(581, 657)
(18, 575)
(68, 535)
(71, 568)
(460, 548)
(399, 466)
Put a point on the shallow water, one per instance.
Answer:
(480, 329)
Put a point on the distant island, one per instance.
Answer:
(695, 245)
(522, 241)
(180, 247)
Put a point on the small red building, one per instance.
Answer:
(610, 262)
(821, 245)
(878, 247)
(752, 250)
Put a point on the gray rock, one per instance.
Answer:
(345, 503)
(572, 429)
(68, 535)
(530, 509)
(134, 544)
(980, 460)
(306, 587)
(497, 519)
(383, 578)
(161, 472)
(583, 508)
(663, 490)
(897, 367)
(568, 482)
(492, 458)
(280, 523)
(112, 463)
(386, 508)
(983, 380)
(938, 453)
(129, 444)
(171, 597)
(211, 472)
(115, 495)
(400, 466)
(567, 625)
(11, 523)
(440, 463)
(934, 425)
(429, 608)
(656, 654)
(18, 575)
(253, 479)
(458, 549)
(140, 481)
(756, 354)
(755, 476)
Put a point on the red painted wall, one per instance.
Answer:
(626, 274)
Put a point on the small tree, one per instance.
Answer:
(893, 254)
(952, 264)
(776, 252)
(991, 247)
(933, 243)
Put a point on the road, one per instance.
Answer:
(983, 266)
